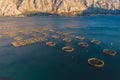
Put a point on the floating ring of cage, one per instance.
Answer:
(22, 43)
(44, 39)
(95, 42)
(83, 44)
(109, 52)
(58, 33)
(24, 33)
(66, 34)
(96, 62)
(67, 40)
(45, 29)
(20, 31)
(50, 44)
(67, 49)
(18, 38)
(6, 33)
(36, 30)
(18, 43)
(0, 36)
(9, 34)
(34, 35)
(55, 37)
(44, 34)
(51, 30)
(80, 37)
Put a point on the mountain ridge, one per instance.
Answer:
(59, 7)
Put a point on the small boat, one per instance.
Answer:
(67, 40)
(80, 37)
(83, 44)
(51, 44)
(96, 62)
(95, 42)
(67, 49)
(55, 37)
(58, 33)
(109, 52)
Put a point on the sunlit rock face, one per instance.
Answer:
(8, 8)
(62, 7)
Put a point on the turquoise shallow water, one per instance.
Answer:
(39, 62)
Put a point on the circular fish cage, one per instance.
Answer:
(95, 42)
(34, 35)
(96, 62)
(58, 33)
(83, 44)
(35, 30)
(80, 37)
(67, 40)
(51, 30)
(55, 37)
(67, 49)
(109, 52)
(45, 34)
(66, 34)
(51, 44)
(23, 32)
(10, 34)
(45, 29)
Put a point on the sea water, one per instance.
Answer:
(39, 62)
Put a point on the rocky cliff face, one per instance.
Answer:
(62, 7)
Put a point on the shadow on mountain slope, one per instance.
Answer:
(100, 11)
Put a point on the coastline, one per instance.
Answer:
(53, 15)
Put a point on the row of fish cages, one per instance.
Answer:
(19, 43)
(24, 32)
(95, 62)
(64, 37)
(51, 38)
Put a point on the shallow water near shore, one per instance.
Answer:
(39, 62)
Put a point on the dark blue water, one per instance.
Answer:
(39, 62)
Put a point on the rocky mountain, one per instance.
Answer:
(60, 7)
